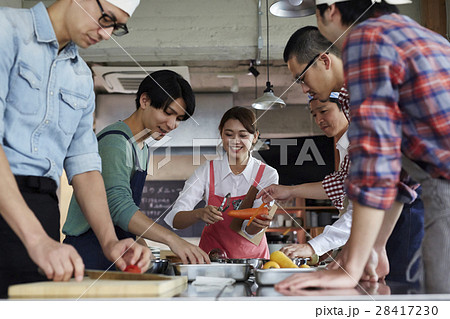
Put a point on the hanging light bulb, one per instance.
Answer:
(268, 101)
(293, 8)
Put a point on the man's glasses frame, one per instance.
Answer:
(107, 21)
(300, 78)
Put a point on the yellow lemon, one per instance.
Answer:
(304, 266)
(281, 259)
(270, 264)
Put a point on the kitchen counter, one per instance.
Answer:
(247, 290)
(366, 291)
(241, 295)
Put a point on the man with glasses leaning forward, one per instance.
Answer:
(46, 116)
(398, 76)
(319, 74)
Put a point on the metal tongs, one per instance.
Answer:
(225, 202)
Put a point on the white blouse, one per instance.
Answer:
(337, 234)
(342, 147)
(196, 187)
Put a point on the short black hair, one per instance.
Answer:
(353, 9)
(333, 100)
(336, 101)
(165, 86)
(306, 43)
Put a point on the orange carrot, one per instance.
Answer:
(249, 213)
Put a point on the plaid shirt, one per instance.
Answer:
(333, 184)
(344, 99)
(398, 75)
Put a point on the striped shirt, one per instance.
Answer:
(398, 76)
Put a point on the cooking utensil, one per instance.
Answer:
(222, 206)
(224, 202)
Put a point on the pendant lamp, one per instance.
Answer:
(268, 101)
(293, 8)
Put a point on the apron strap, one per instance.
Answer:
(259, 174)
(211, 179)
(148, 158)
(136, 158)
(113, 132)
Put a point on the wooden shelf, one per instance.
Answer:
(300, 210)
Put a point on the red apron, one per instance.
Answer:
(220, 235)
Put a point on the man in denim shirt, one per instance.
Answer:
(46, 116)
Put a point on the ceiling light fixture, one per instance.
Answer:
(268, 101)
(293, 8)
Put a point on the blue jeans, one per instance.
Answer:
(405, 240)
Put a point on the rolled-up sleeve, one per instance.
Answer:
(193, 192)
(335, 235)
(82, 155)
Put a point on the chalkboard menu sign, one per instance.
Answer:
(158, 198)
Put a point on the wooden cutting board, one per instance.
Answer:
(159, 286)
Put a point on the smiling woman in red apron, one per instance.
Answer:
(163, 100)
(233, 172)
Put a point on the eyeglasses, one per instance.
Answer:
(106, 21)
(300, 78)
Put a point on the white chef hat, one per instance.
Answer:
(395, 2)
(126, 5)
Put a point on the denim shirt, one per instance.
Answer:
(46, 99)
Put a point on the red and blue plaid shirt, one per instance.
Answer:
(398, 76)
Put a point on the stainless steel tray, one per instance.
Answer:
(267, 277)
(239, 272)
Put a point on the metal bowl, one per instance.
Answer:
(239, 272)
(255, 263)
